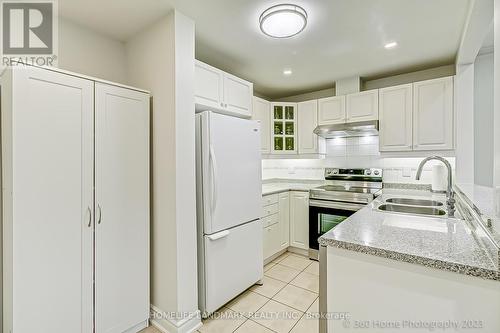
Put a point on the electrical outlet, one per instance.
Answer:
(406, 172)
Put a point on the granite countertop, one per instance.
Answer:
(437, 242)
(273, 186)
(487, 201)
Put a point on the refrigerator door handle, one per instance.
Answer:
(218, 235)
(214, 178)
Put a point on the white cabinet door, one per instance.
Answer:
(284, 128)
(433, 114)
(222, 92)
(299, 220)
(238, 95)
(262, 113)
(362, 106)
(331, 110)
(122, 209)
(271, 239)
(50, 193)
(284, 220)
(396, 105)
(309, 143)
(208, 85)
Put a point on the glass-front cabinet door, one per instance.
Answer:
(284, 128)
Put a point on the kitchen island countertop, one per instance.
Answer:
(436, 242)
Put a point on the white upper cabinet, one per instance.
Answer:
(223, 92)
(331, 110)
(433, 114)
(262, 113)
(362, 106)
(309, 143)
(208, 85)
(396, 105)
(284, 128)
(238, 95)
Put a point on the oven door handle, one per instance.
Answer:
(336, 205)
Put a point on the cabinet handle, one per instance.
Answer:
(211, 156)
(100, 214)
(89, 224)
(222, 104)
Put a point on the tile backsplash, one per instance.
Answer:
(358, 146)
(359, 152)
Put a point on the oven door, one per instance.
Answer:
(325, 215)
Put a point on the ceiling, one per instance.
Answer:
(343, 37)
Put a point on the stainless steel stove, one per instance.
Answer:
(347, 191)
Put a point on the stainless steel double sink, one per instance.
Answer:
(413, 206)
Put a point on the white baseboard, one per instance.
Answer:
(296, 250)
(274, 256)
(291, 249)
(137, 328)
(186, 325)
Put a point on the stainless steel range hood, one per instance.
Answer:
(361, 128)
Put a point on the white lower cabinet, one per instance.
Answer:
(75, 204)
(271, 240)
(284, 220)
(299, 220)
(278, 232)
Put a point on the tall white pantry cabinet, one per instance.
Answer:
(75, 204)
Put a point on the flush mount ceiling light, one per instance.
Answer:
(283, 21)
(287, 71)
(391, 45)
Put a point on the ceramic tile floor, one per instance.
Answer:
(286, 302)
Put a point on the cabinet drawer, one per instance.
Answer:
(269, 210)
(270, 220)
(269, 199)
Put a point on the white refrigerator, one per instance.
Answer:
(229, 191)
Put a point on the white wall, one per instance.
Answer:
(497, 98)
(464, 123)
(477, 27)
(483, 120)
(161, 59)
(87, 52)
(307, 96)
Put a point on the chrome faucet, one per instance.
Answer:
(450, 194)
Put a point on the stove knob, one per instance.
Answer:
(376, 172)
(368, 172)
(335, 172)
